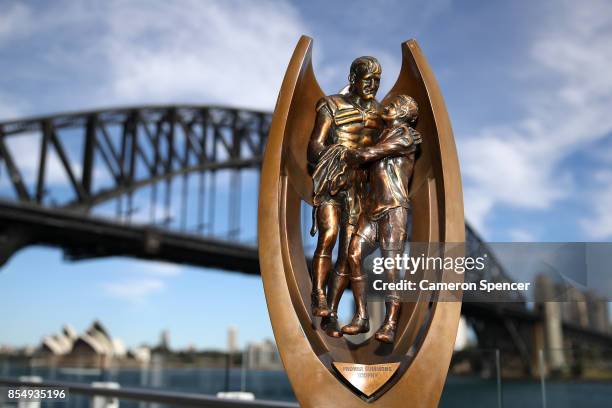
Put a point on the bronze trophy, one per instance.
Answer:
(364, 166)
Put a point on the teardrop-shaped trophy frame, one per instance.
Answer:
(427, 329)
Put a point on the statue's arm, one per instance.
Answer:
(380, 151)
(397, 145)
(323, 123)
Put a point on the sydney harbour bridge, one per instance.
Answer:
(179, 184)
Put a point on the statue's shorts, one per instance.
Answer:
(389, 229)
(349, 200)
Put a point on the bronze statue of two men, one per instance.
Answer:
(361, 156)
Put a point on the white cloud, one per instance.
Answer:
(477, 207)
(153, 269)
(10, 108)
(133, 290)
(521, 164)
(15, 20)
(220, 52)
(117, 52)
(162, 269)
(141, 279)
(521, 235)
(598, 225)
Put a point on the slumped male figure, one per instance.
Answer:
(390, 163)
(343, 122)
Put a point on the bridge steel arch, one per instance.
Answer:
(134, 147)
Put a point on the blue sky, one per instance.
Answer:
(528, 87)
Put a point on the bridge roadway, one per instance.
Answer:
(81, 237)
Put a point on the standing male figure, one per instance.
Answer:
(344, 122)
(390, 166)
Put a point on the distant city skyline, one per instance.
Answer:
(163, 340)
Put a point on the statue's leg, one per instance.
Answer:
(338, 282)
(328, 217)
(362, 244)
(392, 230)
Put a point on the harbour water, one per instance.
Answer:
(460, 391)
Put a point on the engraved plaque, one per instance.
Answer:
(367, 378)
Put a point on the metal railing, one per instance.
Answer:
(148, 395)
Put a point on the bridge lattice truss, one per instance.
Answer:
(153, 182)
(175, 183)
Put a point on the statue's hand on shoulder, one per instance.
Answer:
(415, 137)
(373, 119)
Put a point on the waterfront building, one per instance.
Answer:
(263, 356)
(94, 348)
(164, 340)
(232, 339)
(58, 344)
